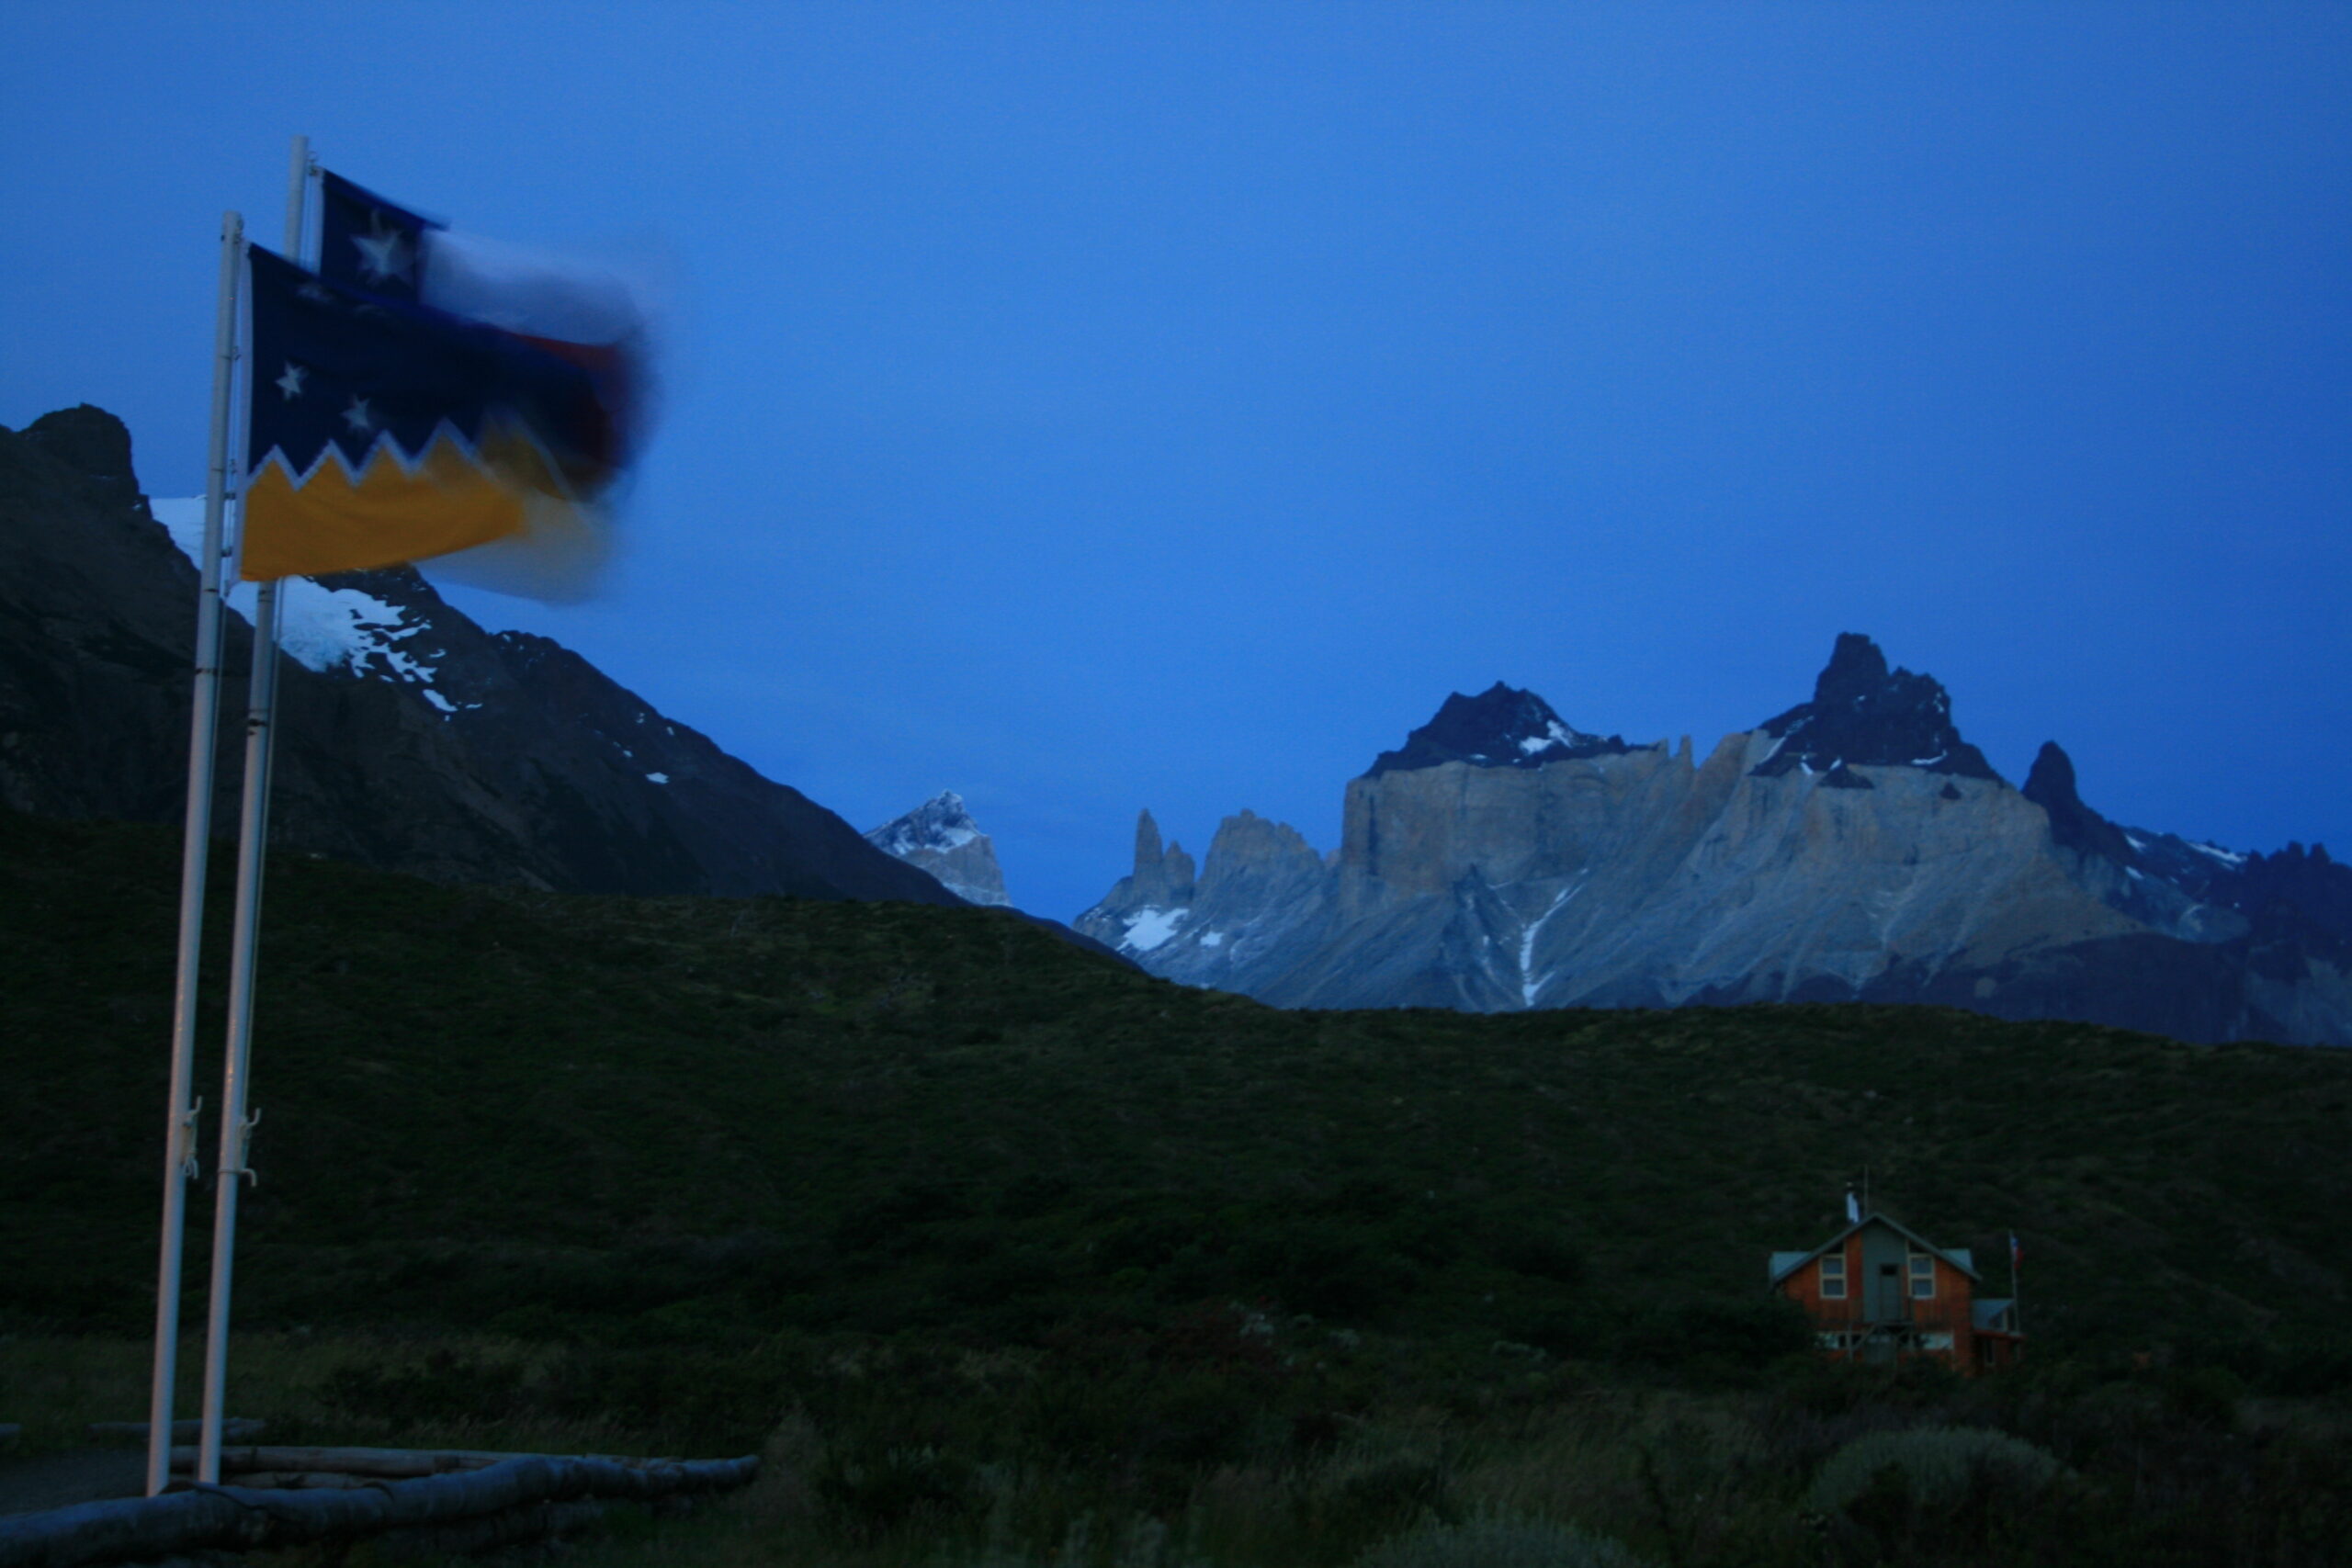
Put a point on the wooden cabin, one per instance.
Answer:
(1880, 1291)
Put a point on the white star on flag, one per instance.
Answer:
(383, 254)
(291, 382)
(360, 416)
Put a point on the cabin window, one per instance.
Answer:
(1923, 1276)
(1833, 1278)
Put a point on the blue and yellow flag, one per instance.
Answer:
(384, 432)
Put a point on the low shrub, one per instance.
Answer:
(1541, 1253)
(867, 1490)
(448, 1385)
(2207, 1396)
(1497, 1543)
(1720, 1341)
(1934, 1468)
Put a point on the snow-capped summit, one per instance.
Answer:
(940, 836)
(1502, 727)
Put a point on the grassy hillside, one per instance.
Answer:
(482, 1105)
(1010, 1255)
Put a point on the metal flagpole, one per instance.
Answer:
(179, 1138)
(252, 840)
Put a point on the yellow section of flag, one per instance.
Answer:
(390, 513)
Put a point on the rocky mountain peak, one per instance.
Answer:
(2050, 785)
(940, 836)
(940, 823)
(1863, 715)
(1502, 727)
(1248, 844)
(87, 439)
(1650, 879)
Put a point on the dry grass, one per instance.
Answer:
(56, 1385)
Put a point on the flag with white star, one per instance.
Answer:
(381, 431)
(368, 243)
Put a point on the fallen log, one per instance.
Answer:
(300, 1480)
(389, 1464)
(246, 1518)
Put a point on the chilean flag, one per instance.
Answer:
(427, 395)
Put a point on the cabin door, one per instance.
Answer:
(1883, 1254)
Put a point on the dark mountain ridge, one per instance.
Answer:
(435, 747)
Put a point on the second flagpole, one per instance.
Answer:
(179, 1138)
(253, 843)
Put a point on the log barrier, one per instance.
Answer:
(497, 1499)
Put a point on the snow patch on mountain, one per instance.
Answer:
(1149, 927)
(1529, 984)
(1554, 734)
(321, 628)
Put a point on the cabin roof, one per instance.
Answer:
(1784, 1264)
(1985, 1311)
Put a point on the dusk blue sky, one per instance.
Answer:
(1097, 406)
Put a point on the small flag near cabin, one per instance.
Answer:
(2016, 1253)
(382, 432)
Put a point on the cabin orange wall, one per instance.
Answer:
(1949, 1309)
(1804, 1287)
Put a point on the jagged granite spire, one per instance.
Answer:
(1862, 714)
(2050, 785)
(1162, 877)
(1147, 905)
(1502, 727)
